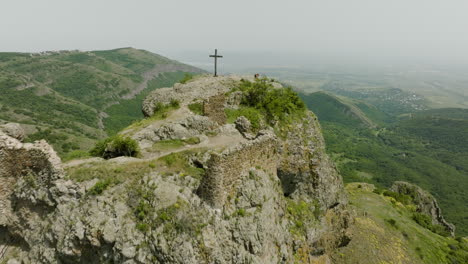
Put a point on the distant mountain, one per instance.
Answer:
(72, 98)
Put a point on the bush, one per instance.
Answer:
(391, 221)
(402, 198)
(426, 222)
(174, 103)
(116, 146)
(277, 103)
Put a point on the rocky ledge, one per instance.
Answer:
(205, 189)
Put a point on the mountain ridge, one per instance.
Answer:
(70, 91)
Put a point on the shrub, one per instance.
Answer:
(174, 103)
(402, 198)
(277, 103)
(116, 146)
(426, 222)
(391, 221)
(158, 107)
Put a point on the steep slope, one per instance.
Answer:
(203, 190)
(347, 111)
(64, 96)
(427, 148)
(385, 232)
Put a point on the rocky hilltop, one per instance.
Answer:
(229, 170)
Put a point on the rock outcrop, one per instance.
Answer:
(425, 203)
(13, 130)
(237, 196)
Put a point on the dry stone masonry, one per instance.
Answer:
(225, 170)
(213, 108)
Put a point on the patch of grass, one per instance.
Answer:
(104, 171)
(241, 212)
(196, 108)
(375, 242)
(187, 77)
(302, 215)
(77, 154)
(178, 163)
(161, 112)
(192, 140)
(168, 144)
(100, 186)
(252, 114)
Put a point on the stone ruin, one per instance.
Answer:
(225, 170)
(213, 108)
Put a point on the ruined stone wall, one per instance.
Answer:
(37, 164)
(225, 170)
(213, 108)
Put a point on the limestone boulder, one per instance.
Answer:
(13, 130)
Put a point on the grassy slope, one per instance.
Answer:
(57, 96)
(376, 240)
(345, 110)
(427, 151)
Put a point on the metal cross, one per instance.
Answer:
(216, 56)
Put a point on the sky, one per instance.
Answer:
(435, 30)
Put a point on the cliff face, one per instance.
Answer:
(425, 203)
(203, 191)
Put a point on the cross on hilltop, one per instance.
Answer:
(216, 56)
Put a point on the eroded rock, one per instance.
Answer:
(13, 130)
(425, 203)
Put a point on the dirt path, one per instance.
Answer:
(215, 143)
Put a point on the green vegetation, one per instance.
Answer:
(62, 93)
(262, 103)
(187, 77)
(428, 148)
(426, 222)
(174, 143)
(116, 146)
(406, 241)
(303, 215)
(129, 111)
(99, 187)
(76, 154)
(252, 114)
(278, 105)
(196, 108)
(177, 162)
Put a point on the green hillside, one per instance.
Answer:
(426, 149)
(73, 98)
(344, 110)
(385, 232)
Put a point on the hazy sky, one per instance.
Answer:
(435, 29)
